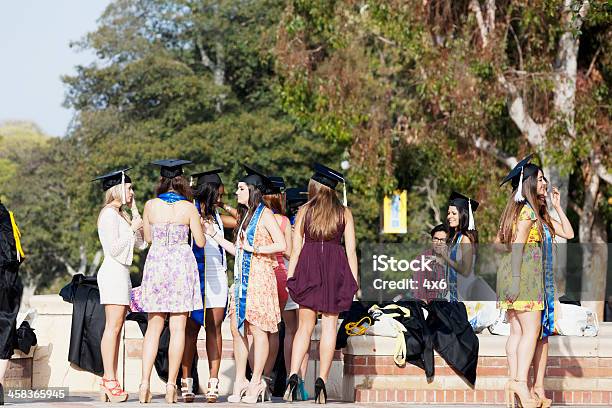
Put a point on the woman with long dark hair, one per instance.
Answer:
(119, 234)
(322, 273)
(462, 241)
(525, 279)
(253, 306)
(170, 282)
(212, 265)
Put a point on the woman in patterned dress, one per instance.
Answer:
(525, 282)
(170, 281)
(253, 305)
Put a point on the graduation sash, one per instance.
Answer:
(548, 314)
(17, 236)
(171, 197)
(199, 316)
(452, 273)
(242, 269)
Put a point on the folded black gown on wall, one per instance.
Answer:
(11, 288)
(453, 337)
(88, 321)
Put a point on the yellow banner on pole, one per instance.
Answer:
(395, 213)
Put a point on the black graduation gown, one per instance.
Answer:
(357, 311)
(418, 337)
(453, 337)
(88, 321)
(11, 288)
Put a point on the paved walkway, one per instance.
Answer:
(91, 400)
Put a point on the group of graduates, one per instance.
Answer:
(290, 265)
(294, 261)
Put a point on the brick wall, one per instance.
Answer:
(569, 381)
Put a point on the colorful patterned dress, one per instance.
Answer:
(531, 287)
(261, 306)
(170, 281)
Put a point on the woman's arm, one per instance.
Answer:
(296, 241)
(564, 228)
(145, 222)
(196, 227)
(231, 220)
(464, 265)
(213, 234)
(518, 245)
(350, 243)
(288, 240)
(120, 246)
(278, 240)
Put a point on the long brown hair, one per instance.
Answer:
(245, 213)
(507, 230)
(325, 210)
(178, 184)
(275, 202)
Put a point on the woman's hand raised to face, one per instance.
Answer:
(555, 198)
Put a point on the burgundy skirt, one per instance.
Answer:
(323, 280)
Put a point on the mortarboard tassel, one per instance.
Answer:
(123, 200)
(471, 223)
(344, 202)
(518, 197)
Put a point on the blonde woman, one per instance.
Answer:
(322, 273)
(119, 235)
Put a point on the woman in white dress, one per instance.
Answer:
(208, 192)
(118, 234)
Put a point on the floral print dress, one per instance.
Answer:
(170, 281)
(531, 287)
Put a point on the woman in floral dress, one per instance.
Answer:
(170, 281)
(525, 279)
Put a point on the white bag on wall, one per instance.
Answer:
(573, 320)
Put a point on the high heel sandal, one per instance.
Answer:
(144, 394)
(514, 390)
(541, 400)
(171, 397)
(187, 393)
(262, 391)
(271, 381)
(234, 398)
(320, 392)
(291, 390)
(212, 394)
(113, 394)
(302, 393)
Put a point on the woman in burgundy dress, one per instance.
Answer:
(322, 273)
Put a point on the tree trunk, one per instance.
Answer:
(593, 240)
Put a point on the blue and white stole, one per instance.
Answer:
(452, 273)
(548, 314)
(242, 268)
(199, 316)
(171, 197)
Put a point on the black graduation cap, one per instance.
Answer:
(277, 185)
(210, 176)
(521, 172)
(171, 168)
(471, 205)
(329, 177)
(114, 178)
(296, 195)
(256, 178)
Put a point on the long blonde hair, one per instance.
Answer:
(112, 194)
(325, 210)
